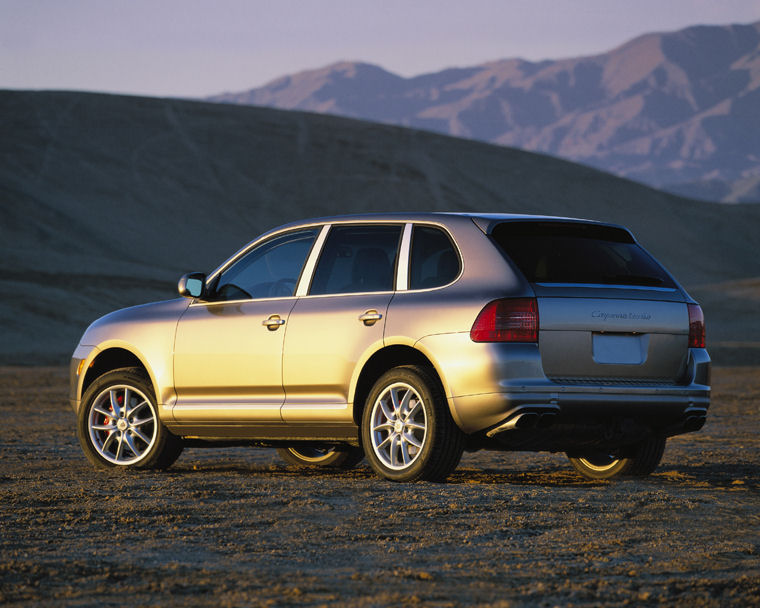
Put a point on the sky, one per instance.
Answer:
(195, 48)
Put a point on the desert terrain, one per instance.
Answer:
(106, 200)
(237, 527)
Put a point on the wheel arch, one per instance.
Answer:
(115, 357)
(381, 361)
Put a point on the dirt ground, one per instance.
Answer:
(237, 527)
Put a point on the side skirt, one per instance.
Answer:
(267, 433)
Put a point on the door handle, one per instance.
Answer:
(273, 322)
(370, 317)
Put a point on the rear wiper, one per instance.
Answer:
(632, 279)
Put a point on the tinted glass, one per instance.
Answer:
(357, 259)
(270, 270)
(434, 260)
(564, 252)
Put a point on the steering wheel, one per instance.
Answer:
(282, 288)
(230, 291)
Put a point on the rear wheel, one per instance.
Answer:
(641, 460)
(118, 423)
(334, 457)
(407, 430)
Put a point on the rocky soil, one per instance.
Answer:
(237, 527)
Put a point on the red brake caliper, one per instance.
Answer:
(120, 401)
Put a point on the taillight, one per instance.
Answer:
(509, 320)
(696, 327)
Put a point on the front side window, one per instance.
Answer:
(270, 270)
(357, 259)
(434, 260)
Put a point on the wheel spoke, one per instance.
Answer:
(413, 440)
(140, 435)
(135, 423)
(394, 450)
(131, 444)
(410, 424)
(103, 411)
(137, 408)
(103, 427)
(384, 426)
(395, 402)
(120, 447)
(404, 406)
(114, 403)
(414, 409)
(126, 402)
(404, 451)
(389, 415)
(384, 442)
(109, 439)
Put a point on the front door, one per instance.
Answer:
(228, 346)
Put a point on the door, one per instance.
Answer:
(228, 347)
(339, 322)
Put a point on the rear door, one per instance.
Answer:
(607, 310)
(340, 320)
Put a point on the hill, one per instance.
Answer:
(105, 200)
(677, 110)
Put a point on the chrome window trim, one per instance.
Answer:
(311, 262)
(402, 267)
(608, 286)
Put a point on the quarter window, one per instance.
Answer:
(357, 259)
(434, 261)
(270, 270)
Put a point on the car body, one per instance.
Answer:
(413, 335)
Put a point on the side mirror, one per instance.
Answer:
(192, 285)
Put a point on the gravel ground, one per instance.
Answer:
(237, 527)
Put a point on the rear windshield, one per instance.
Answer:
(568, 252)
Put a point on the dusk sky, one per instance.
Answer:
(196, 48)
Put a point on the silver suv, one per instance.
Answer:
(405, 339)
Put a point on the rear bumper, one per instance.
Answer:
(669, 409)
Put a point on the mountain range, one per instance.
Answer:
(678, 111)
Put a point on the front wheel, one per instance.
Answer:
(641, 460)
(333, 457)
(118, 423)
(407, 430)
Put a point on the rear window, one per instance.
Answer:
(569, 252)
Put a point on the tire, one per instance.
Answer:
(643, 460)
(135, 437)
(331, 457)
(407, 430)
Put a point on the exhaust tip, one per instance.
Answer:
(529, 420)
(694, 423)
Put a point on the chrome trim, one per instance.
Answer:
(402, 270)
(608, 286)
(311, 262)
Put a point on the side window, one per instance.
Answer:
(270, 270)
(434, 260)
(357, 259)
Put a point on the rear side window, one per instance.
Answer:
(568, 252)
(434, 261)
(357, 259)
